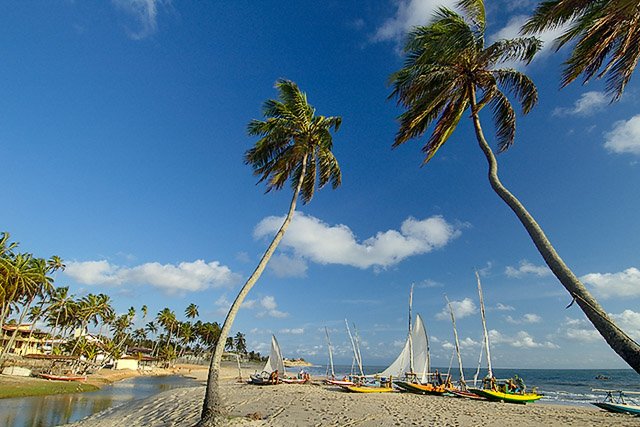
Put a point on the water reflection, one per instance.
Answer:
(48, 411)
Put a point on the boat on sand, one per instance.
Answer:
(63, 377)
(618, 404)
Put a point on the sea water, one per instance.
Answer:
(559, 386)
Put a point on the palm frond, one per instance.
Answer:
(520, 85)
(505, 120)
(521, 49)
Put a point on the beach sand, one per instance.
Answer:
(317, 405)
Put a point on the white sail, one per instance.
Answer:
(275, 358)
(415, 348)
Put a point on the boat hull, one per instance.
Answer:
(421, 388)
(63, 377)
(507, 397)
(466, 394)
(621, 408)
(366, 389)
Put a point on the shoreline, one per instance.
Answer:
(314, 404)
(17, 386)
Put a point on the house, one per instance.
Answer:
(27, 341)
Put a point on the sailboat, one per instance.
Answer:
(412, 367)
(361, 386)
(499, 390)
(275, 363)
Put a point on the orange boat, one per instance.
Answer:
(63, 377)
(438, 390)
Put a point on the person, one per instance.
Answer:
(520, 386)
(439, 378)
(511, 385)
(273, 378)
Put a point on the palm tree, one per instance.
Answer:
(607, 34)
(191, 311)
(295, 145)
(447, 65)
(240, 343)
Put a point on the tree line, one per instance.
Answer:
(28, 294)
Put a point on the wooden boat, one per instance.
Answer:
(295, 380)
(274, 363)
(501, 396)
(466, 394)
(63, 377)
(617, 404)
(437, 390)
(339, 382)
(367, 389)
(511, 390)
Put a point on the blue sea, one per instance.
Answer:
(559, 386)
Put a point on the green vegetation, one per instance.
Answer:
(27, 292)
(21, 387)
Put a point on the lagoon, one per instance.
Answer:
(54, 410)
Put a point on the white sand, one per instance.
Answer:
(315, 405)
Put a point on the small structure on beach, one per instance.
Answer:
(135, 363)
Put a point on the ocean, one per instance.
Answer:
(559, 386)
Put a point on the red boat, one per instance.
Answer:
(63, 377)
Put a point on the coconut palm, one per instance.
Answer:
(447, 69)
(294, 146)
(191, 311)
(240, 343)
(607, 34)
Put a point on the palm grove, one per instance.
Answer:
(28, 294)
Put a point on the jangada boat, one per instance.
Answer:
(505, 396)
(367, 389)
(63, 377)
(274, 363)
(437, 390)
(618, 404)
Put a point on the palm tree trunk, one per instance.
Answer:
(212, 406)
(616, 338)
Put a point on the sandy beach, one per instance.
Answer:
(318, 405)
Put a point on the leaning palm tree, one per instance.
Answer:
(607, 34)
(449, 70)
(295, 145)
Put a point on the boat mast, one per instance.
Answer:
(357, 339)
(455, 335)
(411, 368)
(326, 331)
(484, 327)
(353, 345)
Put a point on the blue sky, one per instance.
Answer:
(122, 131)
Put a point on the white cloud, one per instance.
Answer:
(184, 277)
(622, 284)
(527, 318)
(579, 330)
(144, 12)
(465, 343)
(628, 321)
(294, 331)
(270, 308)
(503, 307)
(588, 104)
(409, 13)
(525, 268)
(319, 242)
(286, 266)
(521, 340)
(624, 137)
(428, 283)
(461, 309)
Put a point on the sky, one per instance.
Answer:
(122, 134)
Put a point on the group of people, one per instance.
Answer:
(511, 385)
